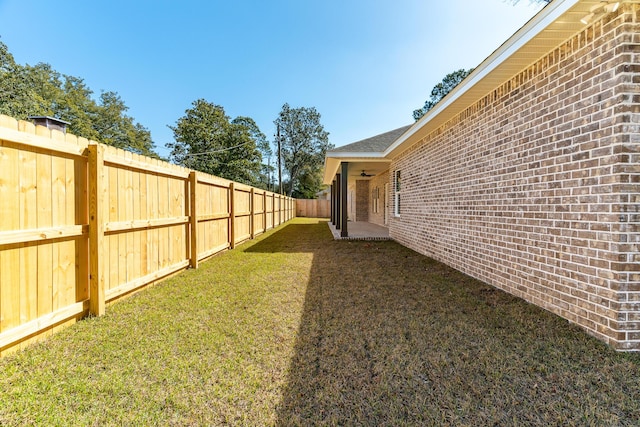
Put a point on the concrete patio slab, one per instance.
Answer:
(361, 231)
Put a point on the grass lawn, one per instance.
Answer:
(297, 329)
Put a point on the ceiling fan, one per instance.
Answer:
(363, 174)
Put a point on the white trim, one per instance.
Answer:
(359, 155)
(524, 35)
(397, 193)
(332, 163)
(554, 24)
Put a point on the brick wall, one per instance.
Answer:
(362, 200)
(377, 182)
(535, 189)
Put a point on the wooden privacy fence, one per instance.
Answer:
(313, 208)
(82, 224)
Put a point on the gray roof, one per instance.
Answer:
(375, 144)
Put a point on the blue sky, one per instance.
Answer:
(364, 64)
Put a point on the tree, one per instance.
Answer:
(304, 144)
(116, 128)
(40, 90)
(17, 97)
(77, 107)
(262, 144)
(207, 140)
(309, 183)
(441, 90)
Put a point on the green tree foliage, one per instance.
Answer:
(452, 80)
(309, 183)
(17, 97)
(304, 144)
(39, 90)
(441, 90)
(116, 128)
(263, 145)
(207, 140)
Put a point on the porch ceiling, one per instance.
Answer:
(371, 166)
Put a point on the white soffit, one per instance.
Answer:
(552, 26)
(332, 163)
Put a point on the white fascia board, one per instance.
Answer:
(548, 15)
(331, 166)
(333, 161)
(356, 156)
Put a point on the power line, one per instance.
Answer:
(216, 151)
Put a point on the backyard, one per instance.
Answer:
(295, 328)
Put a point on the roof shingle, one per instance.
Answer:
(374, 144)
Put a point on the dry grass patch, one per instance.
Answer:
(297, 329)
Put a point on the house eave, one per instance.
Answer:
(554, 24)
(333, 160)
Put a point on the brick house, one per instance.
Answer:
(527, 175)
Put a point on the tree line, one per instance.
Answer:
(205, 138)
(208, 140)
(27, 90)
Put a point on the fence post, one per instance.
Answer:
(232, 216)
(252, 218)
(193, 183)
(264, 211)
(96, 230)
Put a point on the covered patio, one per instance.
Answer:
(361, 231)
(358, 174)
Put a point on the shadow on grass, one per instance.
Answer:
(295, 328)
(389, 337)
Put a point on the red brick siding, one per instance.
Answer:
(535, 189)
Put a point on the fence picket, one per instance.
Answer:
(96, 230)
(82, 224)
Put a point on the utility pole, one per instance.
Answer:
(269, 180)
(279, 162)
